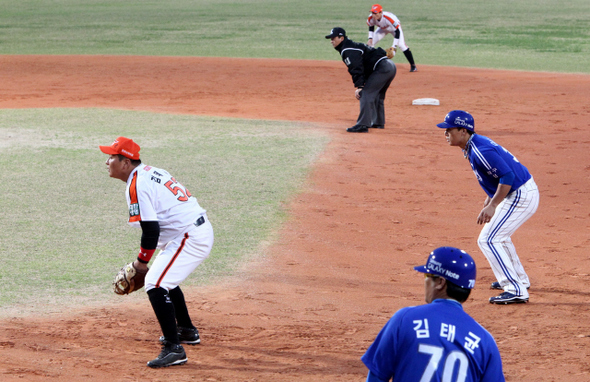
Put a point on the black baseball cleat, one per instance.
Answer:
(377, 127)
(496, 285)
(171, 355)
(358, 129)
(508, 298)
(188, 336)
(413, 69)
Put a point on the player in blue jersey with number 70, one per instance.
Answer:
(512, 197)
(437, 341)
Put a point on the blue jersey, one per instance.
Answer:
(490, 162)
(434, 342)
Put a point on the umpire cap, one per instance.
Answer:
(452, 264)
(336, 32)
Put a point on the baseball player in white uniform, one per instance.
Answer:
(387, 22)
(171, 220)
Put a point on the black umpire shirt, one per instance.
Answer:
(360, 59)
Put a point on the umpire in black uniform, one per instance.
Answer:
(372, 73)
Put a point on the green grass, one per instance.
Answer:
(540, 35)
(65, 232)
(64, 221)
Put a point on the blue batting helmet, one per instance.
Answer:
(452, 264)
(458, 118)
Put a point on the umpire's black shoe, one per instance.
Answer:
(377, 127)
(413, 69)
(189, 336)
(508, 298)
(358, 129)
(171, 355)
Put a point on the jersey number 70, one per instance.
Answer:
(436, 355)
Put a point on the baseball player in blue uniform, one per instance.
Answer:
(512, 197)
(437, 341)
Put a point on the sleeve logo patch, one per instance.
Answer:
(134, 209)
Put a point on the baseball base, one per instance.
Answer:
(426, 101)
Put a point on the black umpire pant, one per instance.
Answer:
(371, 103)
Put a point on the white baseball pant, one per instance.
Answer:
(180, 258)
(380, 33)
(495, 243)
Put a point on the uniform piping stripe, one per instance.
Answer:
(480, 156)
(133, 189)
(379, 62)
(495, 251)
(495, 232)
(172, 260)
(343, 50)
(133, 197)
(392, 21)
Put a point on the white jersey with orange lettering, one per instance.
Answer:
(154, 195)
(186, 235)
(388, 24)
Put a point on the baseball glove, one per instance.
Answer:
(128, 280)
(390, 52)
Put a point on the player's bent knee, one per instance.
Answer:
(483, 246)
(151, 283)
(485, 242)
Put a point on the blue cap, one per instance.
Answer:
(452, 264)
(458, 118)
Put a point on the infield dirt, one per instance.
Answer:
(374, 206)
